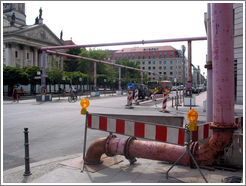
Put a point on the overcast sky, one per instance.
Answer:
(94, 22)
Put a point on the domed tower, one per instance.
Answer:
(14, 14)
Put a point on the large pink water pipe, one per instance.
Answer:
(223, 106)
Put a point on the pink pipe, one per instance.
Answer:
(125, 43)
(223, 86)
(209, 107)
(223, 63)
(99, 61)
(132, 148)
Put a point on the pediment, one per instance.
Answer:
(41, 33)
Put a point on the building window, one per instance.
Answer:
(143, 68)
(154, 53)
(159, 68)
(171, 62)
(139, 54)
(116, 55)
(149, 74)
(129, 54)
(165, 56)
(139, 57)
(150, 53)
(160, 73)
(124, 54)
(133, 57)
(165, 52)
(116, 58)
(179, 67)
(171, 56)
(160, 62)
(129, 57)
(149, 62)
(165, 62)
(153, 68)
(153, 57)
(179, 61)
(120, 58)
(164, 73)
(171, 73)
(171, 52)
(143, 57)
(149, 57)
(171, 67)
(160, 57)
(27, 56)
(153, 62)
(16, 54)
(133, 54)
(149, 68)
(179, 73)
(144, 53)
(160, 53)
(143, 62)
(120, 54)
(164, 67)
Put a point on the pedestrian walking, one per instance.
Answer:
(15, 94)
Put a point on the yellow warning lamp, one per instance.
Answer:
(84, 104)
(192, 116)
(166, 91)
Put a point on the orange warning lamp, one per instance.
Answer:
(84, 104)
(166, 91)
(192, 116)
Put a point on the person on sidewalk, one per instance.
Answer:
(15, 94)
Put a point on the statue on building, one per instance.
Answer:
(61, 35)
(40, 13)
(12, 19)
(36, 21)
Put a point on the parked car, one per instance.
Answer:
(174, 88)
(143, 91)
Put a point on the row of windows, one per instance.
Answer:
(160, 68)
(160, 62)
(150, 53)
(154, 57)
(164, 73)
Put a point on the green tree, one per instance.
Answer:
(14, 76)
(71, 64)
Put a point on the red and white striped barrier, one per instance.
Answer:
(157, 96)
(136, 97)
(203, 131)
(129, 100)
(164, 103)
(168, 134)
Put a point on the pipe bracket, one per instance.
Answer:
(215, 126)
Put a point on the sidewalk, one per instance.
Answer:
(142, 171)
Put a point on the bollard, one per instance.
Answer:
(136, 97)
(190, 104)
(176, 102)
(27, 164)
(172, 102)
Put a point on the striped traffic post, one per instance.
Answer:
(129, 100)
(136, 97)
(164, 102)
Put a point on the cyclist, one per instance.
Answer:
(72, 92)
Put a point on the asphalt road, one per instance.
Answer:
(56, 128)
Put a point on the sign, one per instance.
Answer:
(129, 85)
(37, 77)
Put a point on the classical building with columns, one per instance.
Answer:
(21, 42)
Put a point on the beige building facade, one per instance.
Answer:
(21, 42)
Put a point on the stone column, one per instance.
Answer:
(13, 49)
(24, 56)
(35, 58)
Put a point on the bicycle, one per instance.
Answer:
(70, 98)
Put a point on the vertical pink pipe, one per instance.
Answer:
(223, 63)
(95, 75)
(209, 108)
(189, 81)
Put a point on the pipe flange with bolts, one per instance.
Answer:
(107, 152)
(126, 150)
